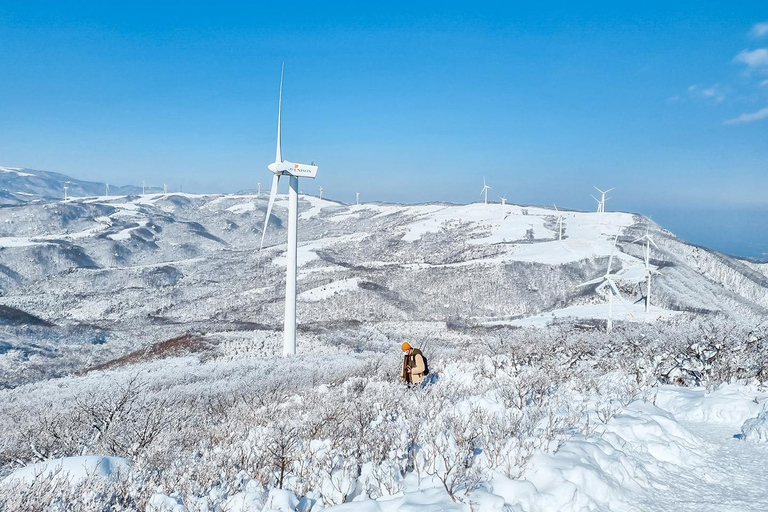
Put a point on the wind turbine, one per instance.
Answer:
(279, 168)
(559, 223)
(165, 188)
(648, 270)
(66, 186)
(503, 206)
(142, 187)
(258, 190)
(357, 197)
(485, 190)
(607, 281)
(106, 190)
(602, 200)
(321, 193)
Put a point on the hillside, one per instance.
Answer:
(105, 276)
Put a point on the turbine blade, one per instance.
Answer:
(621, 297)
(278, 151)
(591, 281)
(272, 194)
(614, 289)
(651, 240)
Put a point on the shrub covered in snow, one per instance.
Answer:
(334, 426)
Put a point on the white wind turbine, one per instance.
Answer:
(66, 187)
(142, 187)
(321, 193)
(503, 206)
(106, 189)
(559, 223)
(279, 168)
(485, 190)
(607, 281)
(648, 270)
(602, 200)
(165, 188)
(258, 190)
(357, 197)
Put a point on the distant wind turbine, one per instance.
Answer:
(559, 223)
(293, 170)
(165, 188)
(608, 282)
(106, 190)
(503, 206)
(485, 190)
(258, 190)
(321, 193)
(648, 241)
(142, 187)
(66, 186)
(357, 197)
(602, 200)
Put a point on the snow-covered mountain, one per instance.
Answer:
(95, 278)
(19, 186)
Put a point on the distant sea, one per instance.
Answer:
(737, 232)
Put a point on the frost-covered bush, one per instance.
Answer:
(336, 425)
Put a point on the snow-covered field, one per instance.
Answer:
(140, 367)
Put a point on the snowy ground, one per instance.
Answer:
(687, 458)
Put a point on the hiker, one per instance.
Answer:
(414, 365)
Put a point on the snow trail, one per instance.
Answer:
(731, 479)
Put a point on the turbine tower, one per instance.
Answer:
(357, 197)
(559, 223)
(66, 186)
(321, 193)
(607, 281)
(602, 200)
(503, 207)
(142, 187)
(165, 188)
(485, 190)
(258, 190)
(648, 240)
(106, 190)
(279, 168)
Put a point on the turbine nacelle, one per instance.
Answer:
(293, 169)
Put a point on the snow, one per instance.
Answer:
(328, 290)
(242, 208)
(72, 469)
(316, 206)
(15, 170)
(644, 459)
(756, 429)
(13, 241)
(621, 311)
(727, 405)
(307, 251)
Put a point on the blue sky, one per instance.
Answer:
(407, 103)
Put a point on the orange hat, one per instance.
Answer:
(405, 346)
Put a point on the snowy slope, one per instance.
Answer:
(125, 272)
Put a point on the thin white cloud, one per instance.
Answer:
(754, 59)
(748, 118)
(759, 29)
(714, 93)
(764, 83)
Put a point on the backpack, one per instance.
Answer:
(424, 358)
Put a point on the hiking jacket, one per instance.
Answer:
(416, 361)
